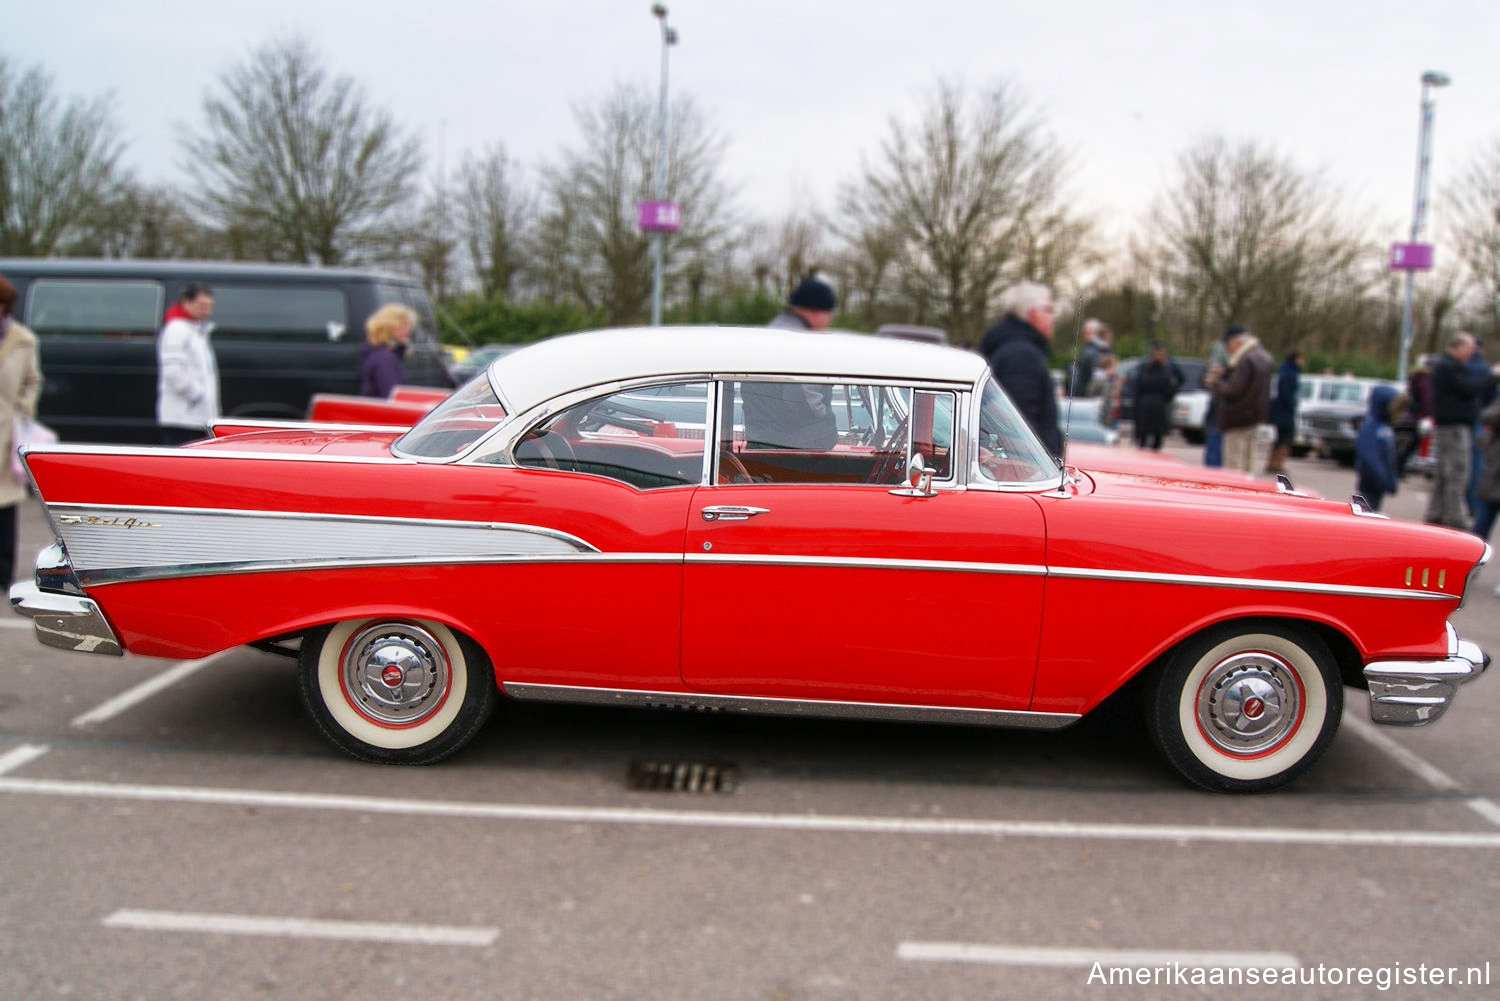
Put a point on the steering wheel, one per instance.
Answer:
(731, 469)
(892, 465)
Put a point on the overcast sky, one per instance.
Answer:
(803, 88)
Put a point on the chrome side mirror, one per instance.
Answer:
(918, 478)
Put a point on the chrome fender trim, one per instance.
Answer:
(770, 706)
(65, 621)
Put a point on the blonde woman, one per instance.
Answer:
(386, 334)
(20, 382)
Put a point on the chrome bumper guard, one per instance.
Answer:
(65, 621)
(1417, 692)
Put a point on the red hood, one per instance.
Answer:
(177, 312)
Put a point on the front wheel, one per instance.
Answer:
(1246, 707)
(401, 691)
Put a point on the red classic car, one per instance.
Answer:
(758, 521)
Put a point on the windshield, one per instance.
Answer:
(456, 423)
(1009, 451)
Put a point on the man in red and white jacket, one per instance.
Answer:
(187, 380)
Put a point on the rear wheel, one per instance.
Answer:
(402, 691)
(1246, 707)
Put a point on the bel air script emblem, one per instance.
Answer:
(115, 522)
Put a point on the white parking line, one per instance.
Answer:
(145, 690)
(833, 823)
(1031, 955)
(1420, 767)
(349, 931)
(18, 756)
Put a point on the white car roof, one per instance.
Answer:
(558, 365)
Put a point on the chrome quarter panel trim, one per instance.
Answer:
(768, 706)
(1196, 580)
(132, 543)
(65, 621)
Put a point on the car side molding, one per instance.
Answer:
(770, 706)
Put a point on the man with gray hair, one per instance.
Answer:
(1457, 390)
(1017, 346)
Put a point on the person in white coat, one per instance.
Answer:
(20, 384)
(187, 380)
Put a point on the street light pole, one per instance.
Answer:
(668, 39)
(1430, 80)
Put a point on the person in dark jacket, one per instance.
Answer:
(794, 415)
(1098, 344)
(1284, 410)
(1456, 392)
(1375, 446)
(1157, 380)
(386, 333)
(1017, 346)
(1243, 394)
(1488, 487)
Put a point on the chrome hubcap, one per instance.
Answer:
(395, 673)
(1249, 703)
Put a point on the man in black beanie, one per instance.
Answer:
(809, 307)
(794, 414)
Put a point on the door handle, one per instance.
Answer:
(732, 512)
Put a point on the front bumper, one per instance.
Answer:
(1417, 692)
(60, 614)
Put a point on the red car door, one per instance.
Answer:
(848, 592)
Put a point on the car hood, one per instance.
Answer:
(1159, 469)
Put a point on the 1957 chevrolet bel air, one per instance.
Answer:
(759, 521)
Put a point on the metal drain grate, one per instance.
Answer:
(682, 776)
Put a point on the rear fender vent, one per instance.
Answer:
(681, 776)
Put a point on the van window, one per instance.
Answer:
(94, 307)
(281, 313)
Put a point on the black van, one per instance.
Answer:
(281, 333)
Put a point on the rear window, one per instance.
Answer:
(280, 313)
(94, 307)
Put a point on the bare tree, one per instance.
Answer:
(1472, 208)
(146, 222)
(1246, 235)
(972, 193)
(494, 219)
(588, 223)
(59, 162)
(299, 161)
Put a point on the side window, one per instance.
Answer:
(109, 308)
(285, 313)
(807, 432)
(650, 438)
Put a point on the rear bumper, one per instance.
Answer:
(1417, 692)
(60, 614)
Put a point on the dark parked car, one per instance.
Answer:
(280, 334)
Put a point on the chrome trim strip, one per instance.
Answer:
(290, 424)
(771, 706)
(869, 563)
(1195, 580)
(121, 575)
(65, 621)
(189, 452)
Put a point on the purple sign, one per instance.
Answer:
(665, 217)
(1411, 257)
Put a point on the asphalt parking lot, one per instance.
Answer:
(179, 830)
